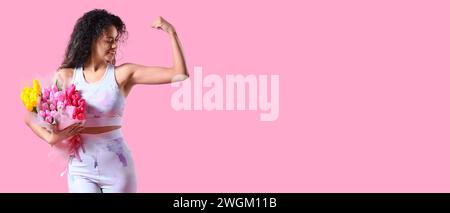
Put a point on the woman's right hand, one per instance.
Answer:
(59, 135)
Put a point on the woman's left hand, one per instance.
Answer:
(162, 24)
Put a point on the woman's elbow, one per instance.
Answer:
(180, 75)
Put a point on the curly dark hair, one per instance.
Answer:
(85, 32)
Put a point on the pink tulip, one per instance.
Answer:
(70, 90)
(53, 113)
(44, 106)
(54, 88)
(80, 116)
(49, 119)
(46, 94)
(60, 105)
(81, 102)
(41, 114)
(75, 113)
(61, 96)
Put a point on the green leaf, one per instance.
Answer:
(57, 85)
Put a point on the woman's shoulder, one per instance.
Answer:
(65, 74)
(123, 71)
(66, 71)
(125, 67)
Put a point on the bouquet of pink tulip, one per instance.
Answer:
(58, 107)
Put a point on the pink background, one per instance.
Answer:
(364, 103)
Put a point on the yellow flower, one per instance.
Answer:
(29, 96)
(36, 86)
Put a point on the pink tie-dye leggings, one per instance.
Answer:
(106, 165)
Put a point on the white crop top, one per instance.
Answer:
(104, 101)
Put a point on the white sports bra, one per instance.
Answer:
(104, 101)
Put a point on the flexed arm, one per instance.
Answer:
(140, 74)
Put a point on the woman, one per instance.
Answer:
(105, 163)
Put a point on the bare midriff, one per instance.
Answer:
(98, 130)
